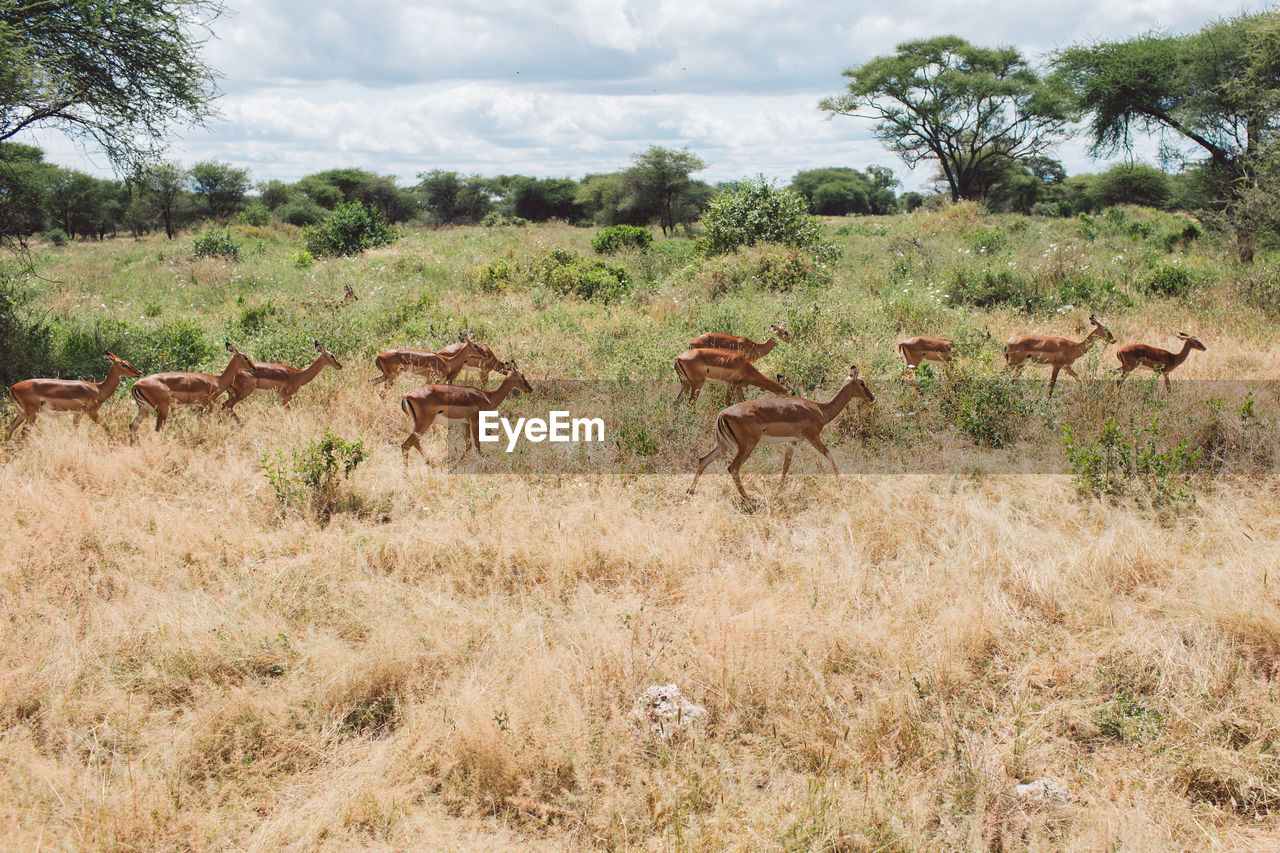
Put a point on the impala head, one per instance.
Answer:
(241, 361)
(782, 333)
(860, 389)
(782, 380)
(349, 292)
(468, 343)
(1100, 330)
(329, 358)
(509, 368)
(1193, 342)
(129, 370)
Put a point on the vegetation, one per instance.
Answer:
(756, 211)
(349, 229)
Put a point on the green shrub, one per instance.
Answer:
(255, 214)
(302, 212)
(1129, 460)
(756, 211)
(312, 478)
(216, 242)
(785, 270)
(303, 260)
(350, 229)
(26, 340)
(57, 236)
(987, 408)
(1170, 280)
(175, 345)
(567, 273)
(495, 219)
(1182, 239)
(987, 241)
(988, 287)
(619, 237)
(499, 276)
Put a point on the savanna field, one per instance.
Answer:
(205, 647)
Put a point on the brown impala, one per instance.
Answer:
(745, 346)
(1161, 361)
(160, 391)
(281, 378)
(456, 404)
(775, 420)
(1060, 353)
(482, 360)
(429, 365)
(67, 395)
(695, 366)
(916, 350)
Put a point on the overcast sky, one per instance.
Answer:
(569, 87)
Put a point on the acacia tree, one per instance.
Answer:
(1218, 89)
(164, 182)
(944, 99)
(221, 185)
(659, 178)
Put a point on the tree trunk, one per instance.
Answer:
(1244, 244)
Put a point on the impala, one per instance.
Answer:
(160, 391)
(778, 420)
(482, 360)
(429, 365)
(456, 404)
(1161, 361)
(918, 349)
(281, 378)
(745, 346)
(348, 295)
(1060, 353)
(696, 366)
(67, 395)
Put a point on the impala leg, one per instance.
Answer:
(816, 441)
(75, 419)
(718, 448)
(736, 466)
(412, 441)
(137, 421)
(1070, 372)
(1167, 387)
(162, 415)
(20, 420)
(473, 432)
(1053, 378)
(786, 464)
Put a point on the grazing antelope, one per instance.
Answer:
(482, 360)
(1060, 353)
(918, 349)
(745, 346)
(66, 395)
(281, 378)
(774, 420)
(456, 404)
(696, 366)
(1161, 361)
(160, 391)
(348, 295)
(428, 365)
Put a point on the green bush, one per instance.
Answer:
(255, 214)
(1182, 239)
(57, 236)
(350, 229)
(987, 241)
(1170, 280)
(756, 211)
(216, 242)
(26, 345)
(495, 219)
(987, 408)
(1129, 460)
(302, 212)
(499, 276)
(567, 273)
(988, 287)
(312, 478)
(303, 260)
(620, 237)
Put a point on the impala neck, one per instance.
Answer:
(761, 350)
(311, 372)
(226, 376)
(836, 404)
(108, 386)
(1083, 346)
(457, 357)
(497, 395)
(1181, 355)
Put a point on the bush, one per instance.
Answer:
(620, 237)
(303, 260)
(991, 288)
(313, 477)
(987, 241)
(1182, 239)
(57, 236)
(1128, 460)
(495, 219)
(1170, 280)
(988, 409)
(216, 242)
(756, 211)
(26, 347)
(302, 212)
(567, 273)
(255, 214)
(350, 229)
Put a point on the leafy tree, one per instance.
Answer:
(659, 180)
(221, 186)
(274, 193)
(1217, 90)
(81, 204)
(164, 182)
(448, 197)
(24, 182)
(1132, 183)
(349, 229)
(120, 73)
(540, 199)
(944, 99)
(839, 190)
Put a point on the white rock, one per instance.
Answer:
(664, 711)
(1042, 791)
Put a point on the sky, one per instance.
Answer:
(564, 88)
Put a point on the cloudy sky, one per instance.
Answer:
(568, 87)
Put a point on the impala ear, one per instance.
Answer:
(318, 347)
(107, 354)
(853, 371)
(229, 347)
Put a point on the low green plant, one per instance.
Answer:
(311, 478)
(1170, 279)
(57, 236)
(756, 211)
(619, 237)
(303, 260)
(216, 242)
(992, 287)
(255, 214)
(494, 219)
(1131, 460)
(565, 272)
(988, 408)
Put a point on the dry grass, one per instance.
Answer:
(185, 665)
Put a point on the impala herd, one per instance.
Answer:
(786, 419)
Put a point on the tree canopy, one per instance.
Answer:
(1218, 90)
(944, 99)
